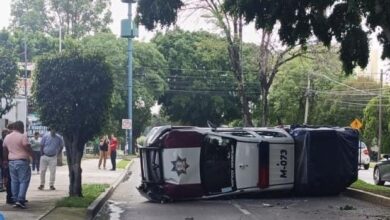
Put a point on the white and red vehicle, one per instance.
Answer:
(191, 162)
(364, 158)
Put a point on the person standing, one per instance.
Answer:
(1, 162)
(36, 147)
(51, 145)
(18, 151)
(103, 147)
(6, 174)
(1, 166)
(113, 147)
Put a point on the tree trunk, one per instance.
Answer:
(59, 158)
(233, 38)
(74, 152)
(237, 69)
(264, 106)
(236, 64)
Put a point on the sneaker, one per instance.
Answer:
(20, 205)
(40, 187)
(52, 188)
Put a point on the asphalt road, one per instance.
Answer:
(126, 203)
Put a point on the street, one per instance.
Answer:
(127, 203)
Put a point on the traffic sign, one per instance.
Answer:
(357, 124)
(126, 124)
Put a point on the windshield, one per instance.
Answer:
(151, 165)
(362, 145)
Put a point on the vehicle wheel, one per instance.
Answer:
(377, 178)
(366, 166)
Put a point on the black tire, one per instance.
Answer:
(366, 166)
(377, 177)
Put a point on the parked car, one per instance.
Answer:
(382, 171)
(191, 162)
(364, 157)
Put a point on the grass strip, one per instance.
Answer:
(90, 193)
(122, 164)
(380, 190)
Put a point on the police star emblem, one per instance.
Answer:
(180, 166)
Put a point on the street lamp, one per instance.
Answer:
(129, 31)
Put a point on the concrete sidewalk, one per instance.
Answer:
(42, 201)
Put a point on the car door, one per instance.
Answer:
(247, 164)
(216, 164)
(385, 170)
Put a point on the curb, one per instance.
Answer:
(367, 196)
(96, 205)
(46, 213)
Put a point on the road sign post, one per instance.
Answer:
(128, 31)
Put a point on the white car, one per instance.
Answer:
(364, 157)
(191, 162)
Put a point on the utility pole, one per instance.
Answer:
(25, 81)
(307, 99)
(129, 31)
(380, 117)
(60, 38)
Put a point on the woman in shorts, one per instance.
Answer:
(103, 148)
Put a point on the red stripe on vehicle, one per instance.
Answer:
(263, 165)
(183, 139)
(183, 191)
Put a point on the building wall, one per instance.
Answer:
(18, 112)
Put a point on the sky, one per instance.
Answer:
(119, 11)
(118, 8)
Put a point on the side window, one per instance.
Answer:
(217, 148)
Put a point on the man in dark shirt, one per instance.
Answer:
(6, 177)
(1, 166)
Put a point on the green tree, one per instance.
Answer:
(231, 23)
(299, 20)
(201, 85)
(289, 91)
(75, 18)
(65, 90)
(30, 16)
(148, 83)
(232, 28)
(8, 74)
(370, 122)
(345, 101)
(114, 51)
(37, 44)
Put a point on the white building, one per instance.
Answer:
(19, 111)
(376, 64)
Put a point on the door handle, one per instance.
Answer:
(243, 166)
